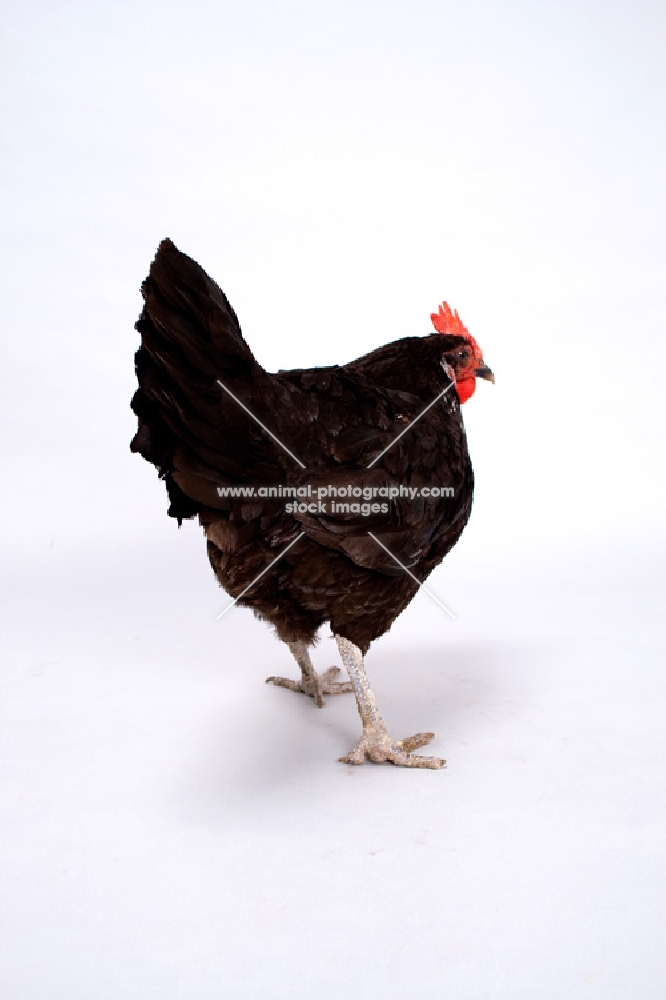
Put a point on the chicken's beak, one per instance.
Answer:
(485, 372)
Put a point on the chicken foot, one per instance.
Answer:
(311, 683)
(375, 743)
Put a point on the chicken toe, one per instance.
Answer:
(380, 748)
(315, 685)
(311, 683)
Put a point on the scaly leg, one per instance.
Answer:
(311, 683)
(375, 743)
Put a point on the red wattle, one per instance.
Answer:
(465, 388)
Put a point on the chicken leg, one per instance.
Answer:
(375, 743)
(311, 683)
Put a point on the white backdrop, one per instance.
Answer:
(173, 828)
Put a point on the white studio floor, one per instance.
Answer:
(175, 828)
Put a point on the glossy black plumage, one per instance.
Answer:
(335, 420)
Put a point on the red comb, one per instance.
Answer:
(449, 322)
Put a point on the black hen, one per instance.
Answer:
(212, 421)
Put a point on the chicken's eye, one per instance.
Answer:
(463, 355)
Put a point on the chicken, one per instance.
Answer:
(326, 495)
